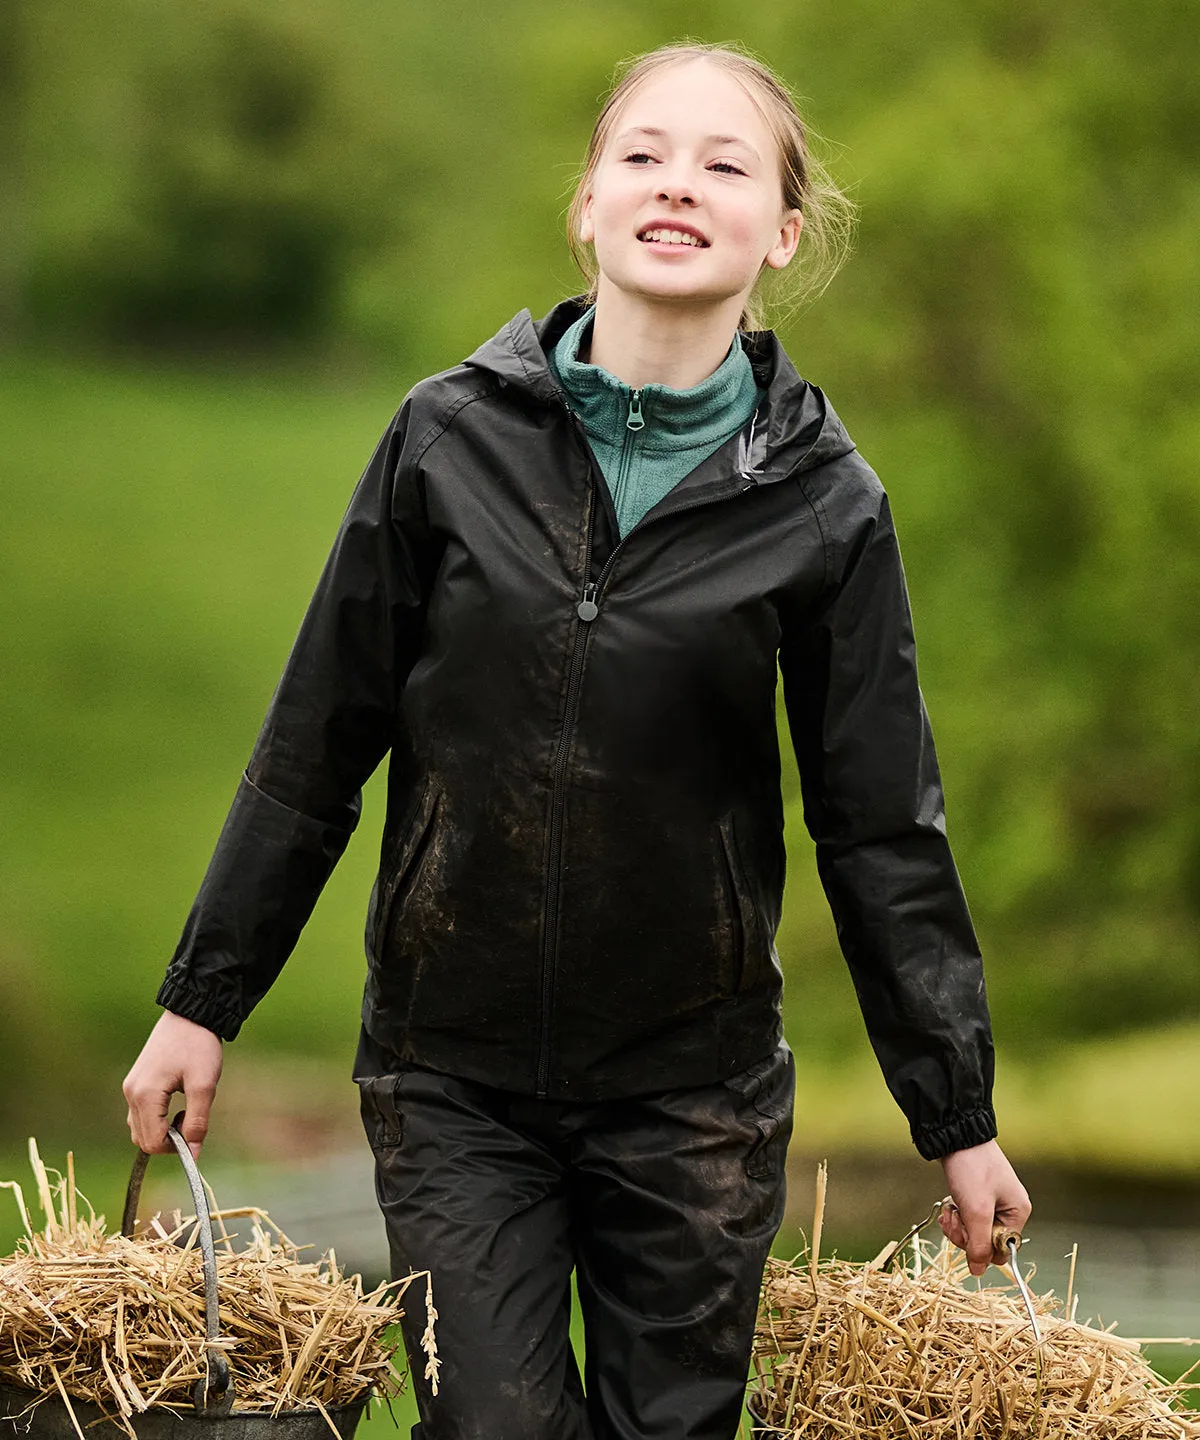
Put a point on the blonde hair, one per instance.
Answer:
(806, 185)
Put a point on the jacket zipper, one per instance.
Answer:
(587, 608)
(593, 592)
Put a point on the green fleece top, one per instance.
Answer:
(647, 440)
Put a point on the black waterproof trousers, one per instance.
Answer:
(663, 1205)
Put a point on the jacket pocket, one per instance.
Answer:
(743, 916)
(381, 1114)
(406, 867)
(764, 1097)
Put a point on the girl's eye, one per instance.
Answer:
(638, 156)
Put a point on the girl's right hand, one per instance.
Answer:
(178, 1056)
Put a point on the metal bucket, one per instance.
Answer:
(760, 1430)
(48, 1420)
(28, 1415)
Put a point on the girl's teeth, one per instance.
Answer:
(673, 237)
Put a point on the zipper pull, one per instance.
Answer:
(635, 420)
(587, 609)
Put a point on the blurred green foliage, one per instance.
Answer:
(236, 233)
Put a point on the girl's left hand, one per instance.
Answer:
(986, 1192)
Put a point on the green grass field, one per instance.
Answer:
(162, 533)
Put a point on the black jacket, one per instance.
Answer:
(582, 862)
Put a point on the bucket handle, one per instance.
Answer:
(213, 1395)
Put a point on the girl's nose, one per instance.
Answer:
(677, 193)
(678, 183)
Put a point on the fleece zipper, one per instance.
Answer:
(635, 422)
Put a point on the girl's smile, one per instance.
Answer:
(672, 234)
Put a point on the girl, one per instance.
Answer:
(560, 597)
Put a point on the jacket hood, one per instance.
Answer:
(795, 428)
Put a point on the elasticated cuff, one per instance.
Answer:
(221, 1017)
(975, 1127)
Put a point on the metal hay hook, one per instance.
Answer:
(214, 1393)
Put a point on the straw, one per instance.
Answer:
(859, 1352)
(120, 1322)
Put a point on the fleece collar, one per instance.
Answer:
(796, 429)
(696, 418)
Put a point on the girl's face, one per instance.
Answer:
(685, 202)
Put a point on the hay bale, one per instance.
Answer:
(879, 1350)
(120, 1322)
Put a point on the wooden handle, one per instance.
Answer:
(1001, 1235)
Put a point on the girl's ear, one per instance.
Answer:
(781, 252)
(587, 228)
